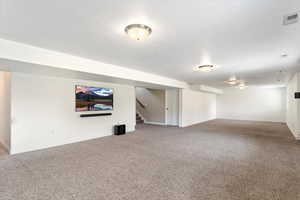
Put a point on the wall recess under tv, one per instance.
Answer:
(93, 98)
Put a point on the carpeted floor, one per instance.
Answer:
(216, 160)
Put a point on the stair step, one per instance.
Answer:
(139, 119)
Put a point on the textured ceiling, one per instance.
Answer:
(244, 37)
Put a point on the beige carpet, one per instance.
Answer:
(216, 160)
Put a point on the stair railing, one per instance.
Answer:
(140, 103)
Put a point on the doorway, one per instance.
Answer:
(157, 106)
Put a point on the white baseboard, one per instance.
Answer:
(195, 123)
(294, 132)
(155, 123)
(175, 125)
(251, 120)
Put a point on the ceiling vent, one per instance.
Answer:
(290, 19)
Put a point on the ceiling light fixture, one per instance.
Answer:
(138, 31)
(232, 80)
(242, 85)
(206, 68)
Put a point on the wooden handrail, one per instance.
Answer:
(140, 103)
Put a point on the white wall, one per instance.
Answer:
(5, 84)
(43, 112)
(172, 106)
(154, 102)
(253, 103)
(293, 106)
(196, 107)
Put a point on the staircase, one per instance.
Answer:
(139, 119)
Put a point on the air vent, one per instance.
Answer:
(291, 19)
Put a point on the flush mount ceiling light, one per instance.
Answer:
(242, 85)
(232, 80)
(138, 31)
(205, 68)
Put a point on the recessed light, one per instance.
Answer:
(206, 68)
(138, 31)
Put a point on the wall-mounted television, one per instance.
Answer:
(93, 98)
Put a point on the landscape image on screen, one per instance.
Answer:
(93, 98)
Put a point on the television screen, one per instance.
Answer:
(93, 98)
